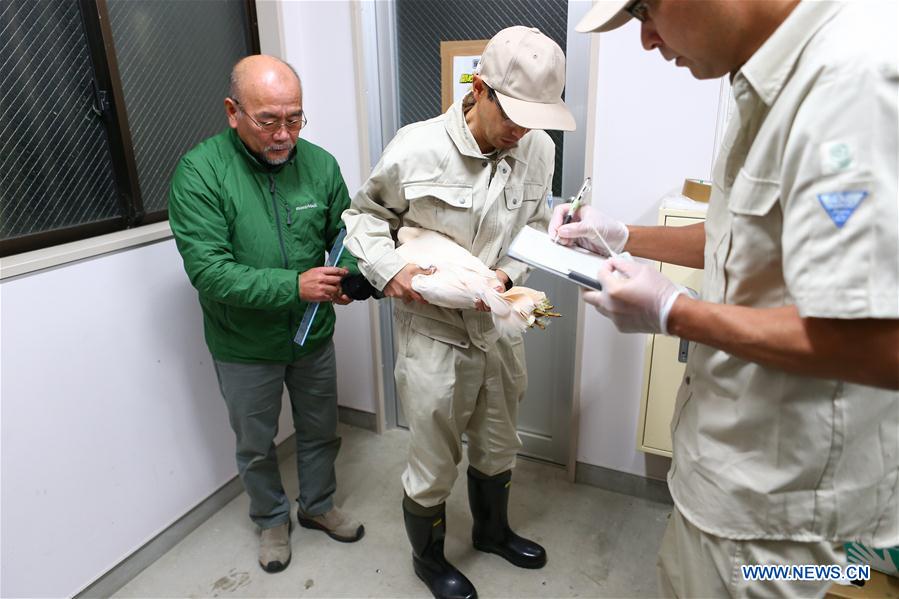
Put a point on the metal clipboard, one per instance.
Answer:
(312, 308)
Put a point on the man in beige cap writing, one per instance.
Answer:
(786, 426)
(477, 175)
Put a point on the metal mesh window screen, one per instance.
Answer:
(55, 168)
(174, 60)
(423, 24)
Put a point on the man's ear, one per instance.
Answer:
(478, 87)
(231, 112)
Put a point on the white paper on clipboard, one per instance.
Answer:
(539, 250)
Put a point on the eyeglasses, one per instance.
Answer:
(292, 125)
(638, 9)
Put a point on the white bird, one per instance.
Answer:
(460, 279)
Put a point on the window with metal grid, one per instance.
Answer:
(55, 166)
(100, 99)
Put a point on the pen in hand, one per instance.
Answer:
(575, 205)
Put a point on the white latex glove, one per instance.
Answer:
(583, 229)
(635, 296)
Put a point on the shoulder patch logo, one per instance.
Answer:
(841, 204)
(837, 156)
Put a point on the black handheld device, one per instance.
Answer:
(584, 280)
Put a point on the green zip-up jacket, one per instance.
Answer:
(246, 231)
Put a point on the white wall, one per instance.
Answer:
(112, 422)
(655, 125)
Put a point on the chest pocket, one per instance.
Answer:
(518, 196)
(521, 203)
(305, 215)
(752, 196)
(753, 268)
(514, 197)
(442, 208)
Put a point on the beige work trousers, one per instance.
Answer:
(447, 390)
(698, 565)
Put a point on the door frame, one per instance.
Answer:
(374, 40)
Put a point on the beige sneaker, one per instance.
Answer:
(337, 524)
(274, 548)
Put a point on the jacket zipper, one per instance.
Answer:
(271, 188)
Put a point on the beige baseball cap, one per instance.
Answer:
(605, 15)
(526, 69)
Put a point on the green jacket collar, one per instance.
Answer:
(251, 158)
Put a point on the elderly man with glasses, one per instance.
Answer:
(253, 210)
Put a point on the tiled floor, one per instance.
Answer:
(600, 544)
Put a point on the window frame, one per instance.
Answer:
(110, 100)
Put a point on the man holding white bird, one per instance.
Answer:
(476, 175)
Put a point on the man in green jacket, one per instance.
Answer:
(253, 211)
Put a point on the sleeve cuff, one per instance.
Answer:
(380, 273)
(518, 271)
(847, 303)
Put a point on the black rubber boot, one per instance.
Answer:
(488, 497)
(426, 528)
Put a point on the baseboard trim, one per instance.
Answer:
(126, 570)
(357, 418)
(623, 482)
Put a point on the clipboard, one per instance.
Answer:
(575, 264)
(312, 307)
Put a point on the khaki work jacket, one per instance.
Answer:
(803, 212)
(434, 176)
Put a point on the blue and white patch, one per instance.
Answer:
(841, 204)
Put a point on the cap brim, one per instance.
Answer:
(537, 115)
(605, 15)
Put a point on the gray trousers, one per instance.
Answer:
(253, 393)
